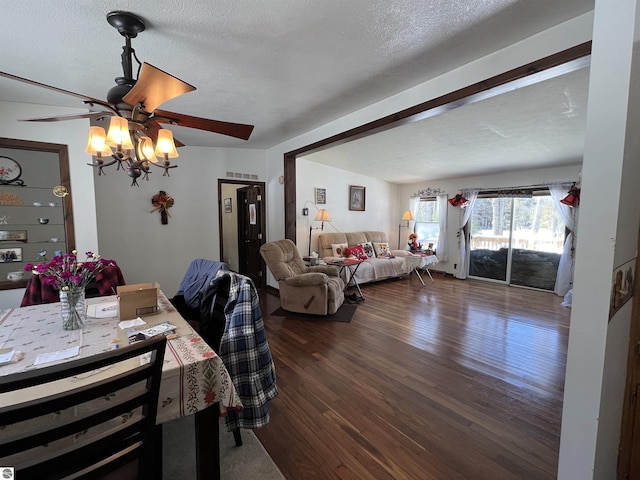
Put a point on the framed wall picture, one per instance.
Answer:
(357, 198)
(10, 254)
(13, 236)
(321, 196)
(227, 205)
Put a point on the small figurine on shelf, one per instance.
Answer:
(429, 250)
(413, 243)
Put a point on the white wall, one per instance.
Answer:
(72, 133)
(148, 251)
(380, 203)
(596, 358)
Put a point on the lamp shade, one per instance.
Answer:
(407, 216)
(165, 147)
(118, 135)
(323, 216)
(96, 144)
(145, 150)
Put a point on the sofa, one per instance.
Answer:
(373, 268)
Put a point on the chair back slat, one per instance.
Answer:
(107, 433)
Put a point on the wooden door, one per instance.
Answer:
(251, 234)
(629, 456)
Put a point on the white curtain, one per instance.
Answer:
(564, 277)
(441, 247)
(413, 207)
(465, 214)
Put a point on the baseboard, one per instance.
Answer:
(272, 290)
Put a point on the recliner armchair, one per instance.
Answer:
(317, 290)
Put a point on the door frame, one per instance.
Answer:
(223, 181)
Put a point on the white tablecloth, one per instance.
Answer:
(193, 376)
(411, 262)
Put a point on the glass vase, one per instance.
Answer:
(73, 309)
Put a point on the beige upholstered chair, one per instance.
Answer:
(317, 290)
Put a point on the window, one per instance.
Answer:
(427, 222)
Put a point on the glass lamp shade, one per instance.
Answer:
(96, 144)
(323, 216)
(144, 150)
(165, 147)
(118, 135)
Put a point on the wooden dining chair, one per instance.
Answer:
(51, 432)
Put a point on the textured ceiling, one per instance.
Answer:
(541, 125)
(284, 66)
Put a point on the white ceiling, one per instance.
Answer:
(541, 125)
(288, 66)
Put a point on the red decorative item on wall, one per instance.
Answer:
(162, 203)
(458, 201)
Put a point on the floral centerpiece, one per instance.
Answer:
(413, 243)
(66, 274)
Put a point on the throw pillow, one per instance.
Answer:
(338, 249)
(368, 249)
(357, 252)
(381, 249)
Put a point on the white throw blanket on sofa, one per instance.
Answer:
(372, 269)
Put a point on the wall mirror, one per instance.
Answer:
(36, 217)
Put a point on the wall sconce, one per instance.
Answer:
(321, 216)
(573, 197)
(407, 216)
(458, 201)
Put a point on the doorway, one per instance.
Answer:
(242, 226)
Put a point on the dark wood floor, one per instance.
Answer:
(457, 380)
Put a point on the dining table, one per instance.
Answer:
(194, 380)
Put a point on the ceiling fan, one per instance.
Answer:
(133, 105)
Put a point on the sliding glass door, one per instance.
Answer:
(516, 240)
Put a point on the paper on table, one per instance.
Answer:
(103, 310)
(131, 323)
(55, 356)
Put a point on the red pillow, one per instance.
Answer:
(356, 251)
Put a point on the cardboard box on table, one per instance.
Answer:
(136, 300)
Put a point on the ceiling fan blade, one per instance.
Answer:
(73, 116)
(55, 89)
(151, 130)
(237, 130)
(154, 87)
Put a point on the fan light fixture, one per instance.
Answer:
(133, 151)
(133, 105)
(321, 216)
